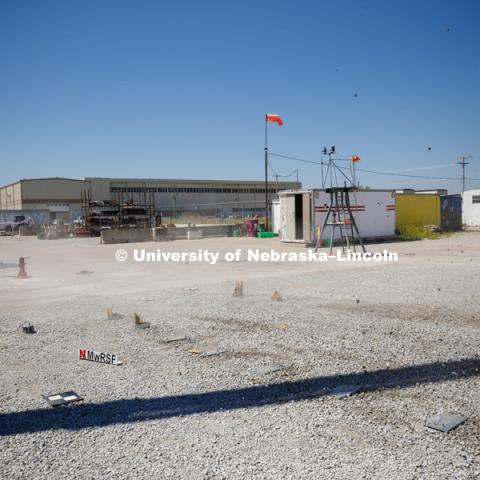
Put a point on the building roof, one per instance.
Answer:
(41, 179)
(145, 180)
(177, 180)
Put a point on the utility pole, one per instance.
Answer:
(462, 162)
(266, 179)
(276, 182)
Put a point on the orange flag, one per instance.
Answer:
(355, 158)
(270, 117)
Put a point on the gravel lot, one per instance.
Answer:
(407, 334)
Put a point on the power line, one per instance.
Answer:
(294, 158)
(276, 174)
(375, 172)
(430, 167)
(406, 175)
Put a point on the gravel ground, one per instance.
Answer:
(407, 334)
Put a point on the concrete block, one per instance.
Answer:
(126, 235)
(193, 234)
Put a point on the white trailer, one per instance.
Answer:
(303, 214)
(471, 209)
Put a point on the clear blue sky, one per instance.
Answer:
(179, 89)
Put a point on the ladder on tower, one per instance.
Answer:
(339, 215)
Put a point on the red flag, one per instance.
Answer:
(355, 158)
(270, 117)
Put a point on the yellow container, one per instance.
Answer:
(417, 210)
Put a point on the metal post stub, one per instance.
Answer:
(21, 265)
(62, 398)
(28, 328)
(139, 323)
(238, 290)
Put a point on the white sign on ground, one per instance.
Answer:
(99, 357)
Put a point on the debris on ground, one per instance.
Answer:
(28, 328)
(343, 391)
(190, 289)
(111, 315)
(264, 369)
(84, 272)
(175, 339)
(445, 422)
(8, 265)
(212, 353)
(62, 398)
(277, 296)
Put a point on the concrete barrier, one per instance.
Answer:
(126, 235)
(193, 234)
(160, 234)
(29, 230)
(183, 232)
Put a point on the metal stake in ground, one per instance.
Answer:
(21, 265)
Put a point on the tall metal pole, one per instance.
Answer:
(266, 174)
(462, 162)
(296, 171)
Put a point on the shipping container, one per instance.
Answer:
(471, 209)
(419, 210)
(451, 212)
(303, 213)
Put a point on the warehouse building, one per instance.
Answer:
(57, 198)
(212, 197)
(61, 197)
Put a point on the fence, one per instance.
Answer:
(226, 212)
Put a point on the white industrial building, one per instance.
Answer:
(471, 209)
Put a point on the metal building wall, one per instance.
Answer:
(202, 197)
(11, 196)
(451, 212)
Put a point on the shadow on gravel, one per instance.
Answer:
(89, 415)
